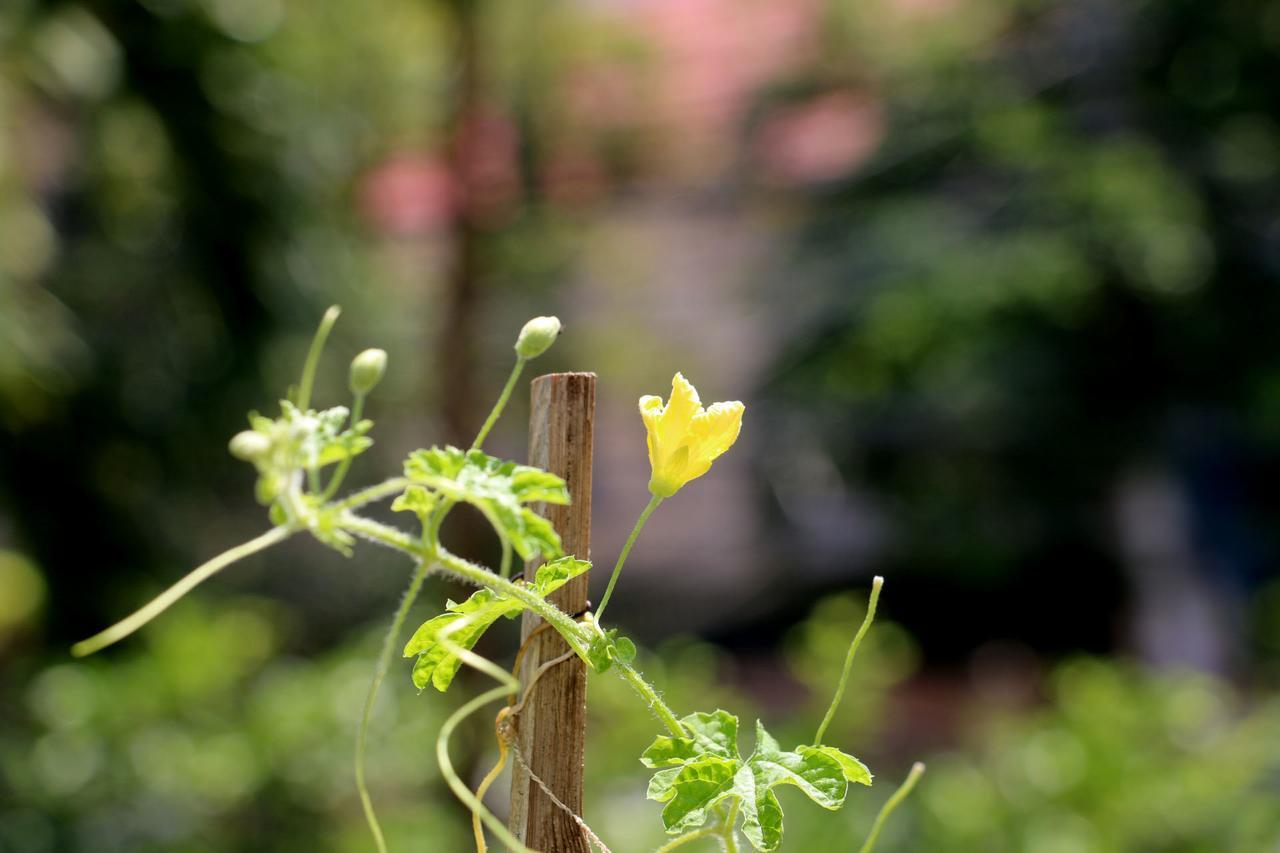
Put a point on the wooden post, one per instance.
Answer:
(552, 726)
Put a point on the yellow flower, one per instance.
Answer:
(684, 438)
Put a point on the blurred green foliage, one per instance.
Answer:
(203, 736)
(1122, 760)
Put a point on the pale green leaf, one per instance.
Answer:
(500, 490)
(853, 769)
(699, 786)
(761, 812)
(820, 776)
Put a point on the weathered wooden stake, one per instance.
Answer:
(552, 726)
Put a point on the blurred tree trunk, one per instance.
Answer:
(458, 335)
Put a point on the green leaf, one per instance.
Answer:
(551, 576)
(418, 500)
(760, 809)
(500, 490)
(818, 775)
(436, 664)
(703, 769)
(713, 734)
(854, 770)
(660, 784)
(609, 647)
(697, 787)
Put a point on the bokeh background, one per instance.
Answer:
(998, 283)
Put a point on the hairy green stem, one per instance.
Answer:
(504, 568)
(373, 493)
(389, 643)
(917, 770)
(501, 404)
(876, 584)
(164, 600)
(303, 399)
(385, 534)
(647, 692)
(626, 549)
(480, 576)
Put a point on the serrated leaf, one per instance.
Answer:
(698, 786)
(820, 776)
(418, 500)
(692, 778)
(854, 770)
(552, 575)
(436, 664)
(501, 491)
(713, 734)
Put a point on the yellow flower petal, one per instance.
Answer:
(684, 439)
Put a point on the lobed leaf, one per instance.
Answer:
(697, 787)
(854, 770)
(437, 664)
(501, 490)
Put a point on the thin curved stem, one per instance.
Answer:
(164, 600)
(373, 493)
(496, 412)
(876, 584)
(917, 770)
(626, 549)
(384, 534)
(389, 643)
(685, 839)
(303, 399)
(357, 412)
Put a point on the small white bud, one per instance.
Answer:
(367, 369)
(249, 445)
(537, 336)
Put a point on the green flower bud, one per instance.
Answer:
(367, 369)
(249, 445)
(537, 336)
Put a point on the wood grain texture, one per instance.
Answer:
(552, 727)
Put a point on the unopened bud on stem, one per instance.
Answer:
(367, 369)
(249, 446)
(537, 336)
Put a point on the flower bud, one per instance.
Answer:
(367, 369)
(249, 445)
(537, 336)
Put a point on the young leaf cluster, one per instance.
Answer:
(502, 491)
(702, 773)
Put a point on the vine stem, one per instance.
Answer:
(501, 404)
(917, 770)
(650, 695)
(480, 576)
(380, 672)
(330, 317)
(685, 839)
(373, 493)
(876, 584)
(626, 550)
(164, 600)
